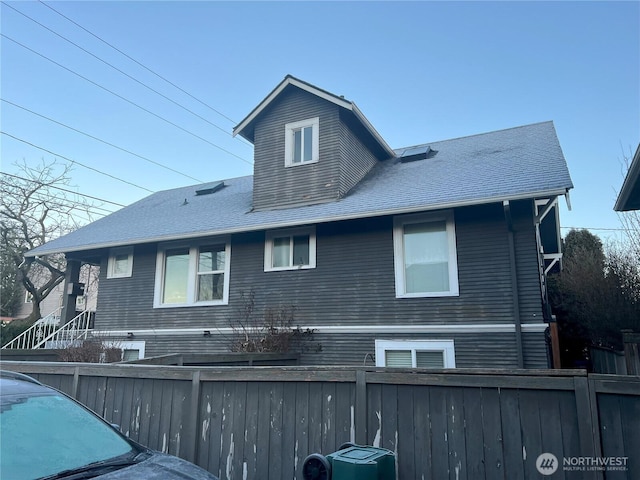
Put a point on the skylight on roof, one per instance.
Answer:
(208, 190)
(412, 154)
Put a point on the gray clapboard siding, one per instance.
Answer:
(353, 284)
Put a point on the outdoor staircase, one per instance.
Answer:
(47, 332)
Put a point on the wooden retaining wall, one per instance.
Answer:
(261, 422)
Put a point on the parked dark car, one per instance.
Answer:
(45, 434)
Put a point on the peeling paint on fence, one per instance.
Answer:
(229, 464)
(377, 438)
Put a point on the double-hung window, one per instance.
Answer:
(120, 263)
(192, 275)
(290, 249)
(425, 255)
(301, 142)
(415, 353)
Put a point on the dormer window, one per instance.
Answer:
(301, 142)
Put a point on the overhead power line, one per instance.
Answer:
(126, 100)
(138, 63)
(75, 162)
(595, 228)
(60, 188)
(226, 132)
(100, 140)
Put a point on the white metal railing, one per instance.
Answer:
(36, 332)
(75, 329)
(47, 332)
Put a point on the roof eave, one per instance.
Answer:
(631, 183)
(317, 220)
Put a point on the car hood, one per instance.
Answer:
(160, 466)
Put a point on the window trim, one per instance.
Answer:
(289, 129)
(111, 263)
(398, 253)
(291, 232)
(192, 279)
(446, 346)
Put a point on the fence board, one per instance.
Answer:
(406, 423)
(262, 422)
(473, 432)
(492, 434)
(630, 411)
(439, 433)
(422, 433)
(511, 433)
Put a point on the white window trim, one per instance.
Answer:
(111, 264)
(268, 248)
(128, 345)
(288, 141)
(445, 346)
(398, 246)
(193, 274)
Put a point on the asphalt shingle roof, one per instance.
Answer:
(520, 162)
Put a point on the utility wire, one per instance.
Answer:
(100, 140)
(595, 228)
(137, 62)
(226, 132)
(126, 99)
(60, 188)
(75, 162)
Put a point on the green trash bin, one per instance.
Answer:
(354, 462)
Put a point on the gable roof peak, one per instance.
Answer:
(245, 127)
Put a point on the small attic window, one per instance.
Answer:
(210, 189)
(301, 142)
(412, 154)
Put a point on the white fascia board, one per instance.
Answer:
(631, 178)
(372, 130)
(278, 90)
(297, 223)
(346, 329)
(329, 97)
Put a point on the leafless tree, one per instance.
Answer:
(36, 206)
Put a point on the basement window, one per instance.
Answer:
(415, 353)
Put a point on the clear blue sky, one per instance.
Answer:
(420, 72)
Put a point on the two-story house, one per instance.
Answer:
(430, 255)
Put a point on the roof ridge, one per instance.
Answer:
(474, 135)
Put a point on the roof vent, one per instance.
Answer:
(210, 189)
(412, 154)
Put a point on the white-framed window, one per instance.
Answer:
(132, 350)
(290, 249)
(192, 275)
(120, 262)
(425, 257)
(415, 353)
(302, 142)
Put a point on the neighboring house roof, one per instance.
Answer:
(629, 197)
(516, 163)
(377, 144)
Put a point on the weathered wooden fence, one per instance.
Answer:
(261, 422)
